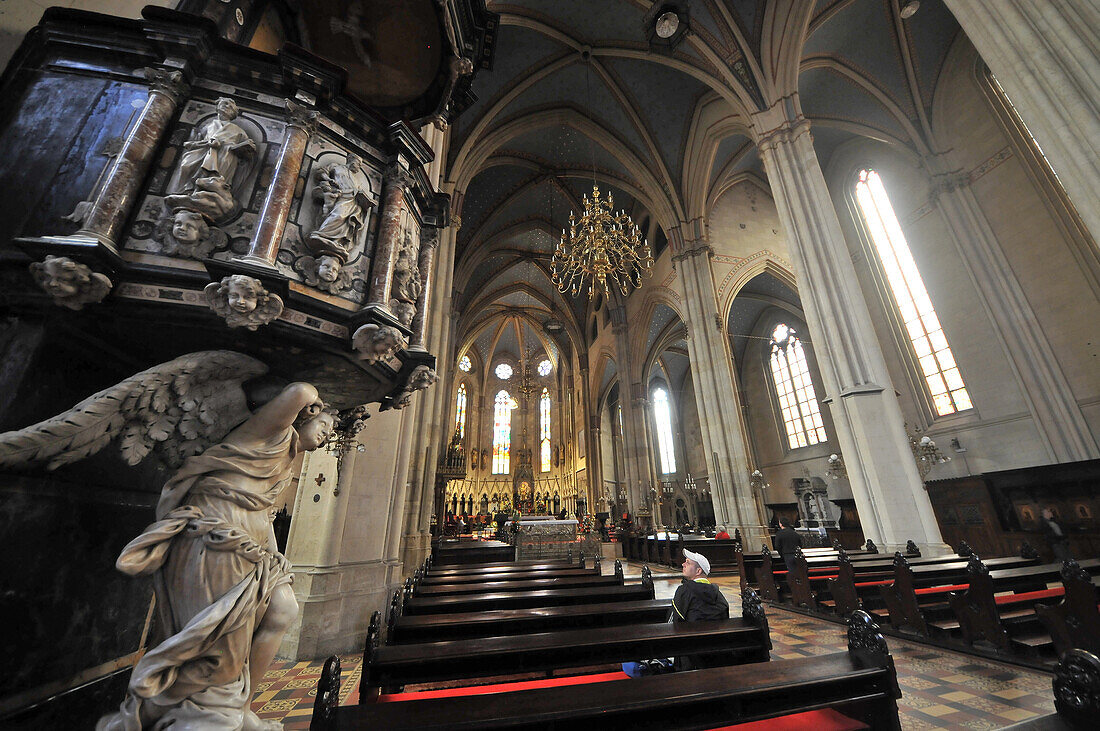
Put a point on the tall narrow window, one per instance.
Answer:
(937, 363)
(544, 429)
(502, 432)
(662, 415)
(797, 400)
(460, 412)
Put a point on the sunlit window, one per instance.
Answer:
(502, 431)
(464, 364)
(460, 412)
(937, 363)
(503, 371)
(544, 368)
(662, 415)
(544, 429)
(797, 400)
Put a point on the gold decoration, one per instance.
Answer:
(604, 249)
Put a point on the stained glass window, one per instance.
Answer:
(544, 368)
(662, 415)
(504, 371)
(502, 431)
(544, 428)
(464, 364)
(797, 400)
(937, 363)
(460, 412)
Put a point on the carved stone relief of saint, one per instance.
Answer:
(406, 280)
(216, 148)
(203, 186)
(342, 191)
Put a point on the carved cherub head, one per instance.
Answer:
(70, 284)
(328, 268)
(326, 272)
(189, 227)
(375, 342)
(243, 301)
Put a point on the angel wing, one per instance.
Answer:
(178, 409)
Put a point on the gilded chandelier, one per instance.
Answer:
(604, 248)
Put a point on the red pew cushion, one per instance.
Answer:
(941, 589)
(824, 720)
(1030, 596)
(503, 687)
(876, 583)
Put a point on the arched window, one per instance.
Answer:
(937, 364)
(502, 431)
(795, 390)
(662, 415)
(460, 412)
(544, 429)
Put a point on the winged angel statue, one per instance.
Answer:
(223, 592)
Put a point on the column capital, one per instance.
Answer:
(782, 122)
(398, 174)
(300, 117)
(163, 81)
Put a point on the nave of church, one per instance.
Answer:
(350, 328)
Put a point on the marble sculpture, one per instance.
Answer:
(223, 593)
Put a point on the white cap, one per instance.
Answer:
(700, 559)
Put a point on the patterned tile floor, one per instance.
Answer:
(940, 689)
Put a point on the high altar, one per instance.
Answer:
(542, 537)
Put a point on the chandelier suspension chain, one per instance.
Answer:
(603, 248)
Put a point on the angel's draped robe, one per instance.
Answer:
(213, 576)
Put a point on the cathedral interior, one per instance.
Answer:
(302, 297)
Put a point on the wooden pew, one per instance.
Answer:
(493, 586)
(526, 600)
(1074, 622)
(808, 692)
(1005, 620)
(500, 567)
(468, 552)
(920, 593)
(1076, 688)
(857, 583)
(516, 575)
(745, 639)
(435, 627)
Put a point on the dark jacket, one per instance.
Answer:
(787, 542)
(700, 599)
(694, 601)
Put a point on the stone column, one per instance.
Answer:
(716, 394)
(115, 198)
(396, 179)
(1044, 55)
(633, 395)
(264, 248)
(1057, 415)
(893, 505)
(428, 245)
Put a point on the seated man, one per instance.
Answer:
(722, 535)
(698, 599)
